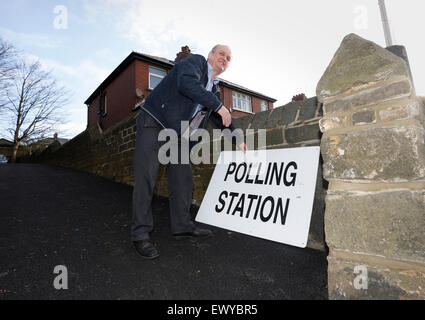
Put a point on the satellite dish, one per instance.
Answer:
(139, 93)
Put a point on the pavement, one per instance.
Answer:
(52, 216)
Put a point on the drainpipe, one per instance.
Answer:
(385, 23)
(398, 50)
(100, 113)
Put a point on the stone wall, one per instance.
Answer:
(110, 153)
(7, 151)
(374, 159)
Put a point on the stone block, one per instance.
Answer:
(210, 127)
(364, 116)
(273, 136)
(359, 62)
(375, 153)
(389, 224)
(316, 234)
(242, 122)
(302, 133)
(370, 96)
(422, 100)
(320, 108)
(402, 110)
(387, 280)
(400, 51)
(332, 122)
(260, 119)
(275, 117)
(290, 112)
(202, 176)
(308, 109)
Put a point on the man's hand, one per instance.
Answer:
(225, 116)
(243, 147)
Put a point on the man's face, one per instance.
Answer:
(220, 59)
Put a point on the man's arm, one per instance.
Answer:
(225, 116)
(218, 122)
(189, 73)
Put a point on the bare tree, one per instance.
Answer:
(34, 104)
(7, 57)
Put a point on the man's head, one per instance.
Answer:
(219, 58)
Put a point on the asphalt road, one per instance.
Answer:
(51, 216)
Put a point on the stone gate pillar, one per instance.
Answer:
(374, 159)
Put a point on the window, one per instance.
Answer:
(103, 108)
(105, 104)
(264, 105)
(155, 76)
(241, 102)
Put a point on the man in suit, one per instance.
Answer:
(189, 91)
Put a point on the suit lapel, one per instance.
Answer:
(205, 79)
(216, 91)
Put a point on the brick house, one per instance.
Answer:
(44, 143)
(124, 90)
(6, 147)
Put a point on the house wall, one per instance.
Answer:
(142, 76)
(227, 100)
(92, 110)
(121, 98)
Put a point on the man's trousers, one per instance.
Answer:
(146, 166)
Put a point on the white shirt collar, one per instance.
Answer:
(210, 74)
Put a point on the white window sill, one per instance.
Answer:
(236, 109)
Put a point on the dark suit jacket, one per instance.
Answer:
(175, 98)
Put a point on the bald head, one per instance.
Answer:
(219, 58)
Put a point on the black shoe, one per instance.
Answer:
(195, 234)
(146, 249)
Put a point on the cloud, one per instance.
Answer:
(105, 54)
(82, 79)
(73, 127)
(91, 73)
(150, 26)
(162, 27)
(33, 39)
(86, 72)
(280, 48)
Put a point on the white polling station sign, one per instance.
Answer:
(263, 193)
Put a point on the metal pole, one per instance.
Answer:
(385, 23)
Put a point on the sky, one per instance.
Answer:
(280, 48)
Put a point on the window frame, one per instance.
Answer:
(154, 75)
(266, 105)
(104, 104)
(236, 106)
